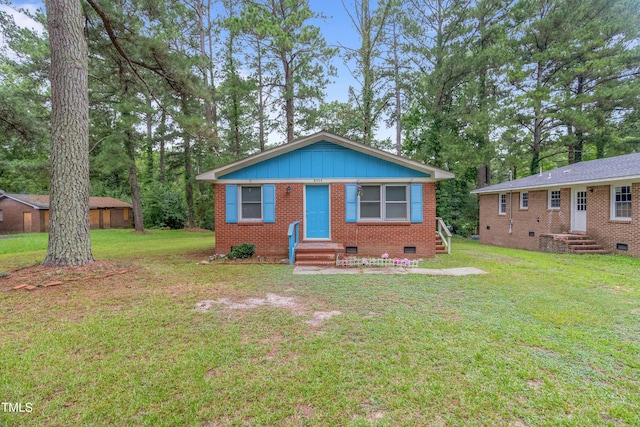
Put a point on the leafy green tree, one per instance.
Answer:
(301, 51)
(371, 98)
(24, 112)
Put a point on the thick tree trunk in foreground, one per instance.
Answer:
(69, 239)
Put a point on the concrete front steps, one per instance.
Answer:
(573, 243)
(318, 253)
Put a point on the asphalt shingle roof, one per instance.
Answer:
(593, 171)
(40, 201)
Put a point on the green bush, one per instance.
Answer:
(245, 250)
(163, 206)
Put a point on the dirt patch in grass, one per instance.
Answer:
(535, 383)
(39, 277)
(271, 300)
(320, 316)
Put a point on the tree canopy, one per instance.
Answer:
(175, 88)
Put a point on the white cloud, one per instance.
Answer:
(22, 19)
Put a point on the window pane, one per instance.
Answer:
(370, 193)
(397, 210)
(623, 201)
(251, 211)
(396, 193)
(369, 210)
(623, 209)
(525, 200)
(555, 199)
(251, 194)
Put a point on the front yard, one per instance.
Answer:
(540, 340)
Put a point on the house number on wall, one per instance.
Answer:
(317, 180)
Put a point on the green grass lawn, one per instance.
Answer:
(541, 340)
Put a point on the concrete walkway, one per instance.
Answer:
(464, 271)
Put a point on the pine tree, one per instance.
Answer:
(69, 239)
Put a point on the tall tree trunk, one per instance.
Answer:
(149, 143)
(367, 75)
(579, 144)
(398, 94)
(133, 183)
(188, 172)
(69, 238)
(203, 54)
(162, 136)
(130, 148)
(538, 123)
(261, 118)
(288, 89)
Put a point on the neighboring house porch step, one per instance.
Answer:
(441, 249)
(318, 253)
(579, 243)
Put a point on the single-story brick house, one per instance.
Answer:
(27, 213)
(598, 198)
(363, 200)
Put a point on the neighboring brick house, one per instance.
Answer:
(27, 213)
(599, 198)
(364, 200)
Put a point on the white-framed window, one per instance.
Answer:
(1, 216)
(384, 202)
(524, 200)
(554, 199)
(502, 203)
(621, 202)
(250, 202)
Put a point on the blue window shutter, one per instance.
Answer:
(352, 202)
(269, 203)
(416, 202)
(231, 196)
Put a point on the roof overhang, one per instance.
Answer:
(24, 202)
(215, 174)
(604, 181)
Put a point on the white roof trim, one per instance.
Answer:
(562, 185)
(213, 175)
(19, 201)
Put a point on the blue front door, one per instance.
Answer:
(317, 211)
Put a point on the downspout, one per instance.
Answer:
(510, 204)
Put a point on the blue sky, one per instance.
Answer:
(337, 29)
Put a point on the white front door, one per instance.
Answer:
(579, 209)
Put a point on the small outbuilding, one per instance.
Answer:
(336, 195)
(587, 207)
(27, 213)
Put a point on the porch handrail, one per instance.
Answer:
(293, 234)
(445, 234)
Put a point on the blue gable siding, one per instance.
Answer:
(324, 160)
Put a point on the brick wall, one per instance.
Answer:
(372, 239)
(13, 217)
(541, 220)
(270, 238)
(537, 219)
(608, 232)
(118, 218)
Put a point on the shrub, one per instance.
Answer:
(163, 206)
(245, 250)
